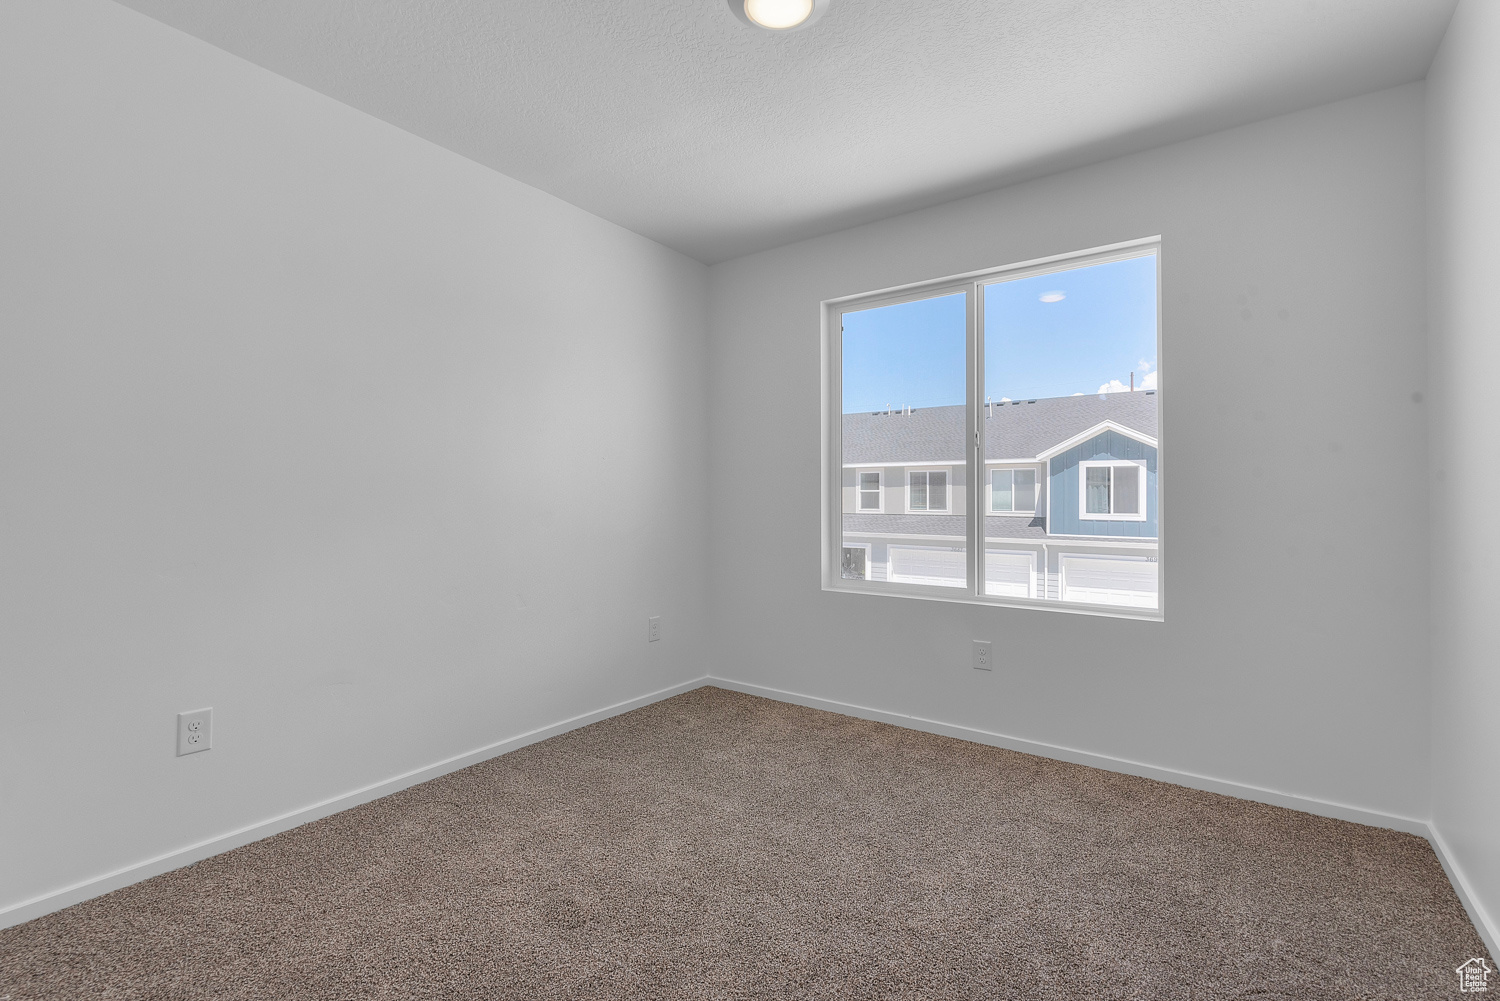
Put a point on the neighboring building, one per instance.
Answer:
(1069, 493)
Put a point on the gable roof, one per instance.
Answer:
(1094, 432)
(1023, 429)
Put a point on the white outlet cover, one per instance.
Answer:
(195, 731)
(653, 629)
(983, 656)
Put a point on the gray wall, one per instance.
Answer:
(1464, 178)
(1293, 655)
(300, 419)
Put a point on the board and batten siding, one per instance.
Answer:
(1062, 514)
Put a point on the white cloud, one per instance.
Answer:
(1005, 399)
(1147, 381)
(1144, 365)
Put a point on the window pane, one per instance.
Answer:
(1096, 489)
(1070, 388)
(1127, 490)
(904, 386)
(1070, 359)
(1000, 499)
(1025, 489)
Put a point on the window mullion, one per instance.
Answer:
(974, 508)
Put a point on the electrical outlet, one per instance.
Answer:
(982, 660)
(195, 731)
(653, 629)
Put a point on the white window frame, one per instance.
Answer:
(989, 490)
(972, 286)
(947, 507)
(1083, 502)
(879, 507)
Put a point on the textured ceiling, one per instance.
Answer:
(675, 120)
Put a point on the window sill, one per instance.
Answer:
(932, 592)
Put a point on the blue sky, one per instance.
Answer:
(1037, 344)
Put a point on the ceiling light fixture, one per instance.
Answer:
(778, 15)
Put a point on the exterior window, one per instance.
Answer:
(1113, 491)
(869, 491)
(1020, 408)
(1013, 491)
(928, 491)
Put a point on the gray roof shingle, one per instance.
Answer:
(1019, 430)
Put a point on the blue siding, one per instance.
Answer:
(1063, 487)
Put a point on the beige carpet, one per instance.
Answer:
(721, 846)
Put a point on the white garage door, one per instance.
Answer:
(1010, 573)
(1109, 580)
(915, 565)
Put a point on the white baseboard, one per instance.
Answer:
(56, 900)
(1483, 922)
(1322, 808)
